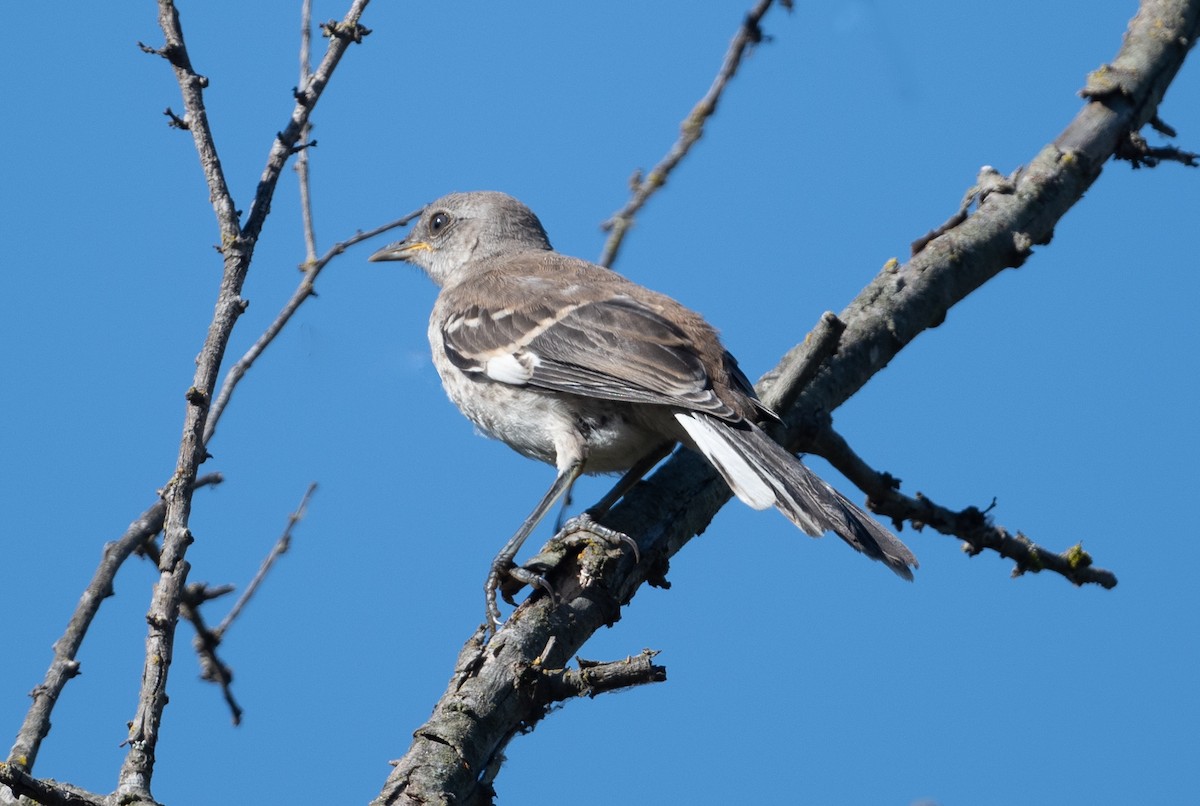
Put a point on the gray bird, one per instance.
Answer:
(572, 364)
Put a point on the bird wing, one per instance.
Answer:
(614, 348)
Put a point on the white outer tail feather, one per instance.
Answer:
(762, 474)
(743, 478)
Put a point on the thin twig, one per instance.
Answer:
(341, 35)
(310, 234)
(988, 181)
(692, 128)
(206, 642)
(1140, 154)
(279, 549)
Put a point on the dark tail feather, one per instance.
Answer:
(803, 497)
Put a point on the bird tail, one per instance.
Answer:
(762, 474)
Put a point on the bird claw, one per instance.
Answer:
(585, 523)
(527, 577)
(521, 575)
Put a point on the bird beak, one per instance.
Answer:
(400, 250)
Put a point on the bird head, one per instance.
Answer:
(463, 230)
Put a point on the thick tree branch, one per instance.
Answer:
(485, 700)
(44, 791)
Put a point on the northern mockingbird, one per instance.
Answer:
(571, 363)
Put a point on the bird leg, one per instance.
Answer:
(632, 476)
(503, 564)
(586, 521)
(562, 511)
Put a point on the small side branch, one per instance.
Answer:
(988, 182)
(1140, 154)
(206, 642)
(174, 121)
(595, 677)
(971, 525)
(278, 550)
(692, 128)
(799, 366)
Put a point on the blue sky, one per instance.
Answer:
(798, 672)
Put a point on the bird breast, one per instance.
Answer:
(611, 436)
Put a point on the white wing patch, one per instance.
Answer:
(514, 369)
(738, 473)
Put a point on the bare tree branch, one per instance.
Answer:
(65, 666)
(487, 697)
(37, 723)
(590, 679)
(195, 119)
(971, 524)
(1140, 154)
(44, 791)
(310, 234)
(643, 187)
(238, 249)
(802, 363)
(341, 35)
(596, 677)
(206, 642)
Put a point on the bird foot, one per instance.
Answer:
(585, 523)
(506, 578)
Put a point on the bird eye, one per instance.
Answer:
(438, 222)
